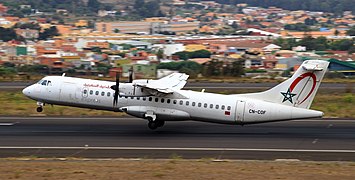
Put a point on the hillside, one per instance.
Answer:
(90, 6)
(334, 6)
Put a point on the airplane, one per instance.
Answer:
(165, 100)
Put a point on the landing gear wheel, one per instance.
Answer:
(152, 125)
(160, 123)
(39, 109)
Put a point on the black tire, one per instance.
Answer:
(39, 109)
(160, 123)
(152, 125)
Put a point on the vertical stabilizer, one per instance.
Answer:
(300, 89)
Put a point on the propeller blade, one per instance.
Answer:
(116, 88)
(130, 77)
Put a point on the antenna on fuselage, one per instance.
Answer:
(63, 74)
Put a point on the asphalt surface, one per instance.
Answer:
(325, 140)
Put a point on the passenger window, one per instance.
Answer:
(205, 105)
(187, 103)
(85, 91)
(156, 99)
(168, 101)
(181, 102)
(144, 98)
(150, 98)
(102, 93)
(91, 92)
(222, 107)
(199, 104)
(132, 97)
(217, 106)
(126, 97)
(193, 103)
(162, 100)
(228, 108)
(138, 98)
(211, 106)
(175, 101)
(97, 93)
(108, 93)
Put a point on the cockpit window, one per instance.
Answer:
(45, 82)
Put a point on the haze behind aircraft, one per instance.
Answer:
(164, 100)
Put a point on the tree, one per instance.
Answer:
(8, 34)
(351, 31)
(185, 55)
(307, 41)
(342, 45)
(160, 54)
(7, 72)
(147, 9)
(189, 67)
(235, 25)
(94, 5)
(48, 33)
(116, 31)
(34, 26)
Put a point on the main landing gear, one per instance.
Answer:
(155, 124)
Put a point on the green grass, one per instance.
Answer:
(333, 104)
(14, 103)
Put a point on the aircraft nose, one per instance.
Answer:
(26, 91)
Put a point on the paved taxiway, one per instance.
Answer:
(130, 138)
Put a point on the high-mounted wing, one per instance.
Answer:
(164, 86)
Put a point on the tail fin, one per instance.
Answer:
(300, 89)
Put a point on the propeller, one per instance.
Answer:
(130, 77)
(116, 88)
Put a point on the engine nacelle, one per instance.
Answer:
(164, 114)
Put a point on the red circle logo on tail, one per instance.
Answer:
(288, 95)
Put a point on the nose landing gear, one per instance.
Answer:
(39, 109)
(40, 106)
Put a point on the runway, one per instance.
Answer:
(325, 140)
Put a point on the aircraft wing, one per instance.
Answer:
(166, 85)
(173, 81)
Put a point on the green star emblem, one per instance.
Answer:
(288, 96)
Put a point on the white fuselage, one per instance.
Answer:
(201, 106)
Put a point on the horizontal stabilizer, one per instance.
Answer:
(311, 66)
